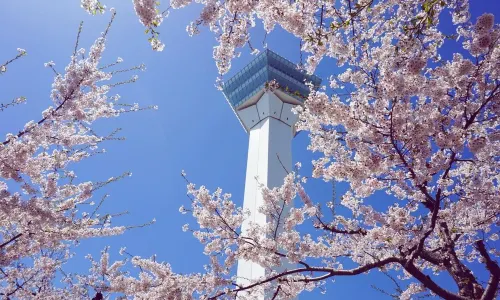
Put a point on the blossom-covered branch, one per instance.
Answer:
(44, 208)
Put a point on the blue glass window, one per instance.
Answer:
(266, 67)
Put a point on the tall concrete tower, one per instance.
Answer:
(268, 119)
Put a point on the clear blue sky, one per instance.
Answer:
(194, 129)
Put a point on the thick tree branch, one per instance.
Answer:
(430, 284)
(492, 266)
(329, 273)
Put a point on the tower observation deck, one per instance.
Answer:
(266, 115)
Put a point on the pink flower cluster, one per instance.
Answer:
(44, 208)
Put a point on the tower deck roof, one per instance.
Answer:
(265, 67)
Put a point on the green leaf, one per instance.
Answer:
(425, 6)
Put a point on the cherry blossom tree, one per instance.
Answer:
(399, 119)
(44, 208)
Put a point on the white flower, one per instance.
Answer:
(20, 100)
(49, 64)
(92, 6)
(157, 45)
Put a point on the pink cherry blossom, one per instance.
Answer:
(44, 208)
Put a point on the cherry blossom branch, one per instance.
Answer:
(20, 286)
(462, 275)
(435, 212)
(14, 102)
(276, 292)
(80, 27)
(430, 284)
(10, 240)
(3, 67)
(474, 115)
(493, 268)
(330, 273)
(430, 203)
(332, 229)
(69, 96)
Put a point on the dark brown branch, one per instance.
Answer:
(431, 257)
(474, 115)
(434, 212)
(492, 266)
(430, 201)
(430, 284)
(329, 273)
(284, 168)
(21, 286)
(276, 292)
(463, 277)
(336, 230)
(11, 240)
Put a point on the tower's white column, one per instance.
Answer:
(269, 159)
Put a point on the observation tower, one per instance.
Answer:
(266, 115)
